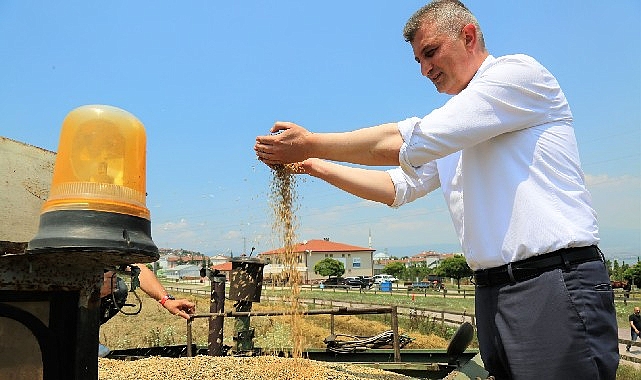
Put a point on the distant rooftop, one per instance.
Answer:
(320, 245)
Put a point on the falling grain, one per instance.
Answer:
(283, 199)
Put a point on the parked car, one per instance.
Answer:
(336, 282)
(368, 279)
(357, 282)
(384, 277)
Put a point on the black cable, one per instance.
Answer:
(359, 343)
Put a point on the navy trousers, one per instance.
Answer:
(559, 325)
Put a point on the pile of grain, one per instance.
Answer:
(261, 367)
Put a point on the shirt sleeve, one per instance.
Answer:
(413, 184)
(510, 94)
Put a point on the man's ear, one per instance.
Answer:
(469, 34)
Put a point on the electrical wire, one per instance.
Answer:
(359, 343)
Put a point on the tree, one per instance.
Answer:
(633, 274)
(615, 271)
(454, 267)
(417, 271)
(395, 268)
(610, 267)
(329, 267)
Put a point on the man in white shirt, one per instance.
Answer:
(503, 152)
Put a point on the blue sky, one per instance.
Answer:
(207, 77)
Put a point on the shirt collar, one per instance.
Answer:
(487, 62)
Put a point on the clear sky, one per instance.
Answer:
(207, 77)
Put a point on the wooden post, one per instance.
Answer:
(189, 338)
(216, 305)
(397, 346)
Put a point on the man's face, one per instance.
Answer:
(637, 310)
(446, 61)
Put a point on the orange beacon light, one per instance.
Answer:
(97, 200)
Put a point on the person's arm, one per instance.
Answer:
(373, 146)
(368, 184)
(150, 285)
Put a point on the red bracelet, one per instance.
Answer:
(165, 298)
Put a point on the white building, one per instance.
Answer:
(356, 260)
(183, 271)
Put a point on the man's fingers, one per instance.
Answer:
(271, 163)
(280, 126)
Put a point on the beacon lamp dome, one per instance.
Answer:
(97, 200)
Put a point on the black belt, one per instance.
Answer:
(536, 265)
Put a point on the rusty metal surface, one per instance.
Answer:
(216, 305)
(25, 273)
(9, 247)
(246, 279)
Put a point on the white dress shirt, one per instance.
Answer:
(504, 153)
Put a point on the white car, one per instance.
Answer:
(384, 277)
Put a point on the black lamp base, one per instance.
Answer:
(106, 237)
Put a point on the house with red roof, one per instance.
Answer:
(173, 261)
(358, 261)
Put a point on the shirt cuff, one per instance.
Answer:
(400, 186)
(406, 129)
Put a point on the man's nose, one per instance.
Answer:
(426, 68)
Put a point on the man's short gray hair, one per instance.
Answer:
(450, 16)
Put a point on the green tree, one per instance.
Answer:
(417, 271)
(633, 274)
(396, 269)
(616, 273)
(609, 267)
(624, 267)
(454, 267)
(329, 267)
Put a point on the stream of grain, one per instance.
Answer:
(283, 200)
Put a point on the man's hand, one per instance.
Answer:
(288, 143)
(180, 307)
